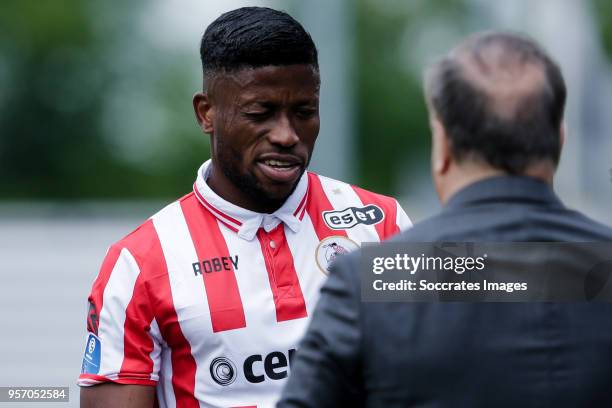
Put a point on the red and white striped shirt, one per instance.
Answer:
(208, 301)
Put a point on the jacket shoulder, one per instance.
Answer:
(503, 222)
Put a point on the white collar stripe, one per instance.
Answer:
(301, 205)
(226, 219)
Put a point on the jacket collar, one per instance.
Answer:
(508, 189)
(246, 222)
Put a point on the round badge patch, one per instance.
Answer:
(332, 247)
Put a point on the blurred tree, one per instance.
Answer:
(89, 108)
(603, 14)
(391, 114)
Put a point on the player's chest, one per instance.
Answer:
(243, 284)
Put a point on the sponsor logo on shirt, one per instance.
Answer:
(256, 368)
(351, 216)
(218, 264)
(223, 371)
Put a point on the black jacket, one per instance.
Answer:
(438, 355)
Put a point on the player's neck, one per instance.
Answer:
(228, 191)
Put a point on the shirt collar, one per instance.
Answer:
(246, 222)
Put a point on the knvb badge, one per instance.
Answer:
(91, 359)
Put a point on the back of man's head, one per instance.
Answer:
(500, 99)
(254, 37)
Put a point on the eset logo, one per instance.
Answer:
(256, 368)
(273, 366)
(351, 216)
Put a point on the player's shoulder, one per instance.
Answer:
(379, 209)
(367, 197)
(143, 238)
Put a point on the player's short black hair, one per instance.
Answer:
(253, 37)
(500, 98)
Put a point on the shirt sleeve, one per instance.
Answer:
(123, 342)
(402, 220)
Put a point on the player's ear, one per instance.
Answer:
(204, 111)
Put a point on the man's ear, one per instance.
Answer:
(440, 149)
(204, 111)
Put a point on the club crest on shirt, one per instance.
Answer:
(330, 248)
(351, 216)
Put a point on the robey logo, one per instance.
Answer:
(218, 264)
(351, 216)
(256, 368)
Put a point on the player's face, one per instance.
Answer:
(263, 124)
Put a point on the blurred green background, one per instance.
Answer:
(95, 99)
